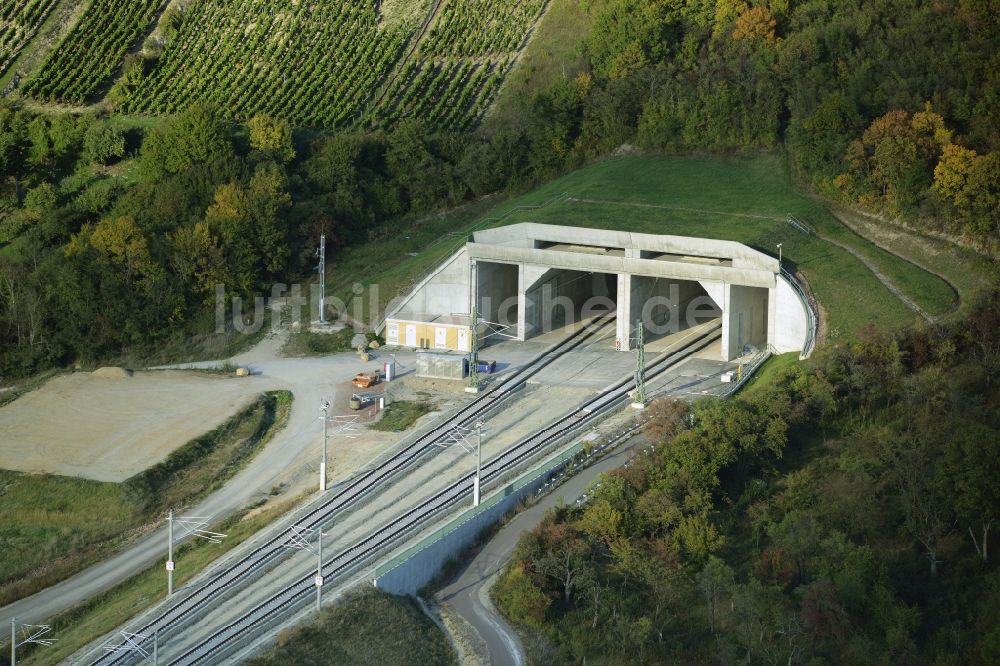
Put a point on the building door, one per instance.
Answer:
(440, 338)
(392, 333)
(411, 335)
(463, 339)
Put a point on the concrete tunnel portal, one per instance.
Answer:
(527, 279)
(526, 301)
(554, 298)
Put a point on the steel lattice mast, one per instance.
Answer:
(640, 365)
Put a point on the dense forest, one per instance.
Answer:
(114, 230)
(841, 514)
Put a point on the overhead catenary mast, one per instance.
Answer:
(639, 397)
(474, 353)
(321, 252)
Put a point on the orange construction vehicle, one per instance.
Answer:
(365, 379)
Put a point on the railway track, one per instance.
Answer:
(348, 494)
(300, 593)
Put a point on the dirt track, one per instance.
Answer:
(110, 429)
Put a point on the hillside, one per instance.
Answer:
(838, 513)
(326, 64)
(166, 165)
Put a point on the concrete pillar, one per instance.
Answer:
(473, 287)
(521, 309)
(772, 316)
(624, 324)
(727, 290)
(529, 309)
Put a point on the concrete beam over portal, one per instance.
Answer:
(531, 235)
(595, 263)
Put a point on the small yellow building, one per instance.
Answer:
(443, 333)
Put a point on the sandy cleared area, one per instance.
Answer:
(109, 429)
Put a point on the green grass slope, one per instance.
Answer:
(368, 629)
(745, 199)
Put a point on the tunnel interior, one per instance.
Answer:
(497, 289)
(748, 311)
(668, 306)
(556, 297)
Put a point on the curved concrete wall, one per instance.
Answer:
(789, 319)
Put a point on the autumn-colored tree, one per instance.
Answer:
(122, 244)
(727, 11)
(665, 419)
(519, 598)
(891, 164)
(272, 136)
(951, 175)
(697, 538)
(755, 24)
(601, 521)
(564, 555)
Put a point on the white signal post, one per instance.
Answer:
(479, 464)
(779, 255)
(193, 526)
(170, 553)
(325, 408)
(459, 435)
(299, 540)
(345, 425)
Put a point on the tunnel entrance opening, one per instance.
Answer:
(497, 301)
(746, 326)
(668, 307)
(557, 298)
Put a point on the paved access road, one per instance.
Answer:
(469, 592)
(311, 380)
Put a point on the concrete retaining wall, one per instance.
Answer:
(446, 291)
(411, 570)
(497, 288)
(745, 319)
(789, 319)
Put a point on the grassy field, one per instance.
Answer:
(552, 54)
(742, 199)
(967, 271)
(80, 625)
(746, 200)
(53, 526)
(767, 373)
(368, 629)
(399, 416)
(398, 260)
